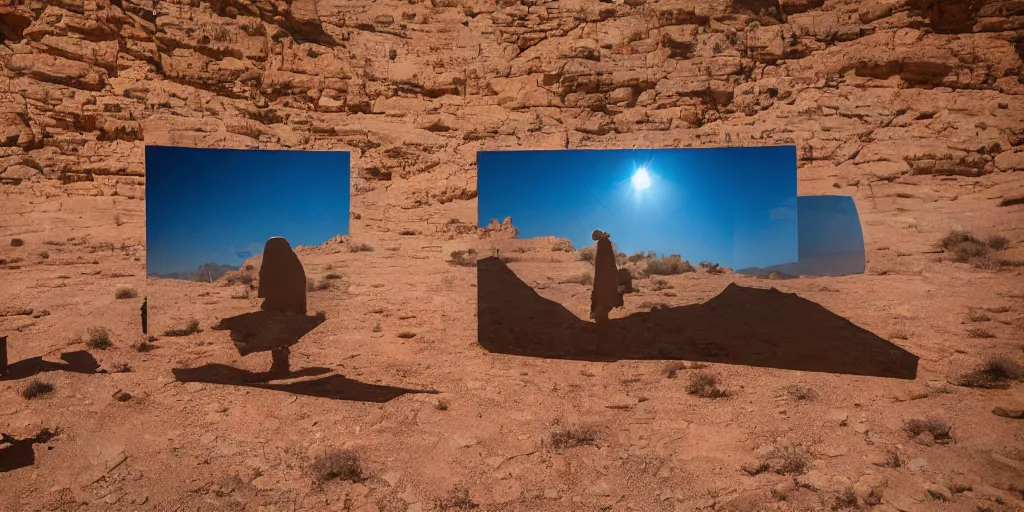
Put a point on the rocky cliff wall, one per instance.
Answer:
(867, 91)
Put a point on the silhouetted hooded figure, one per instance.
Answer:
(282, 279)
(606, 294)
(145, 318)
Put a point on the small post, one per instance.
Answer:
(3, 355)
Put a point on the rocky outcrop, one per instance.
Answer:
(872, 90)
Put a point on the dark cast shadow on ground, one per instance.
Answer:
(18, 453)
(79, 361)
(741, 325)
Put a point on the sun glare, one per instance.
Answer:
(641, 179)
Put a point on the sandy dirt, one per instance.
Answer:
(437, 422)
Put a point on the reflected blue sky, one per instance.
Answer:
(221, 205)
(734, 206)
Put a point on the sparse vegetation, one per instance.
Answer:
(711, 268)
(571, 437)
(406, 335)
(337, 465)
(17, 242)
(998, 242)
(122, 368)
(144, 346)
(846, 499)
(660, 284)
(332, 276)
(672, 369)
(442, 405)
(892, 460)
(705, 385)
(586, 279)
(235, 277)
(562, 245)
(465, 258)
(191, 328)
(789, 460)
(118, 220)
(313, 286)
(320, 315)
(457, 499)
(978, 317)
(588, 254)
(99, 338)
(668, 265)
(359, 247)
(979, 334)
(36, 389)
(44, 255)
(801, 392)
(939, 429)
(125, 293)
(244, 294)
(510, 259)
(966, 248)
(995, 373)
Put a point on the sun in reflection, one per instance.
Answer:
(641, 179)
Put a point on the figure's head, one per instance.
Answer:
(599, 235)
(276, 244)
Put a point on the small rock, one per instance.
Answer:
(193, 387)
(391, 477)
(216, 407)
(551, 493)
(141, 500)
(838, 416)
(925, 439)
(601, 488)
(112, 498)
(917, 464)
(814, 480)
(939, 492)
(861, 428)
(785, 487)
(1016, 414)
(122, 396)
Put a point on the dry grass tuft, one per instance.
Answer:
(705, 385)
(99, 338)
(586, 279)
(358, 247)
(938, 428)
(996, 373)
(457, 499)
(571, 437)
(125, 293)
(36, 389)
(668, 265)
(337, 465)
(789, 460)
(465, 258)
(801, 392)
(979, 334)
(191, 328)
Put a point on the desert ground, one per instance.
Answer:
(436, 422)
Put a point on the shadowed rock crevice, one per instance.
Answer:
(742, 325)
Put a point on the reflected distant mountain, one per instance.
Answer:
(205, 272)
(835, 264)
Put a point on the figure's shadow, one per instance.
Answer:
(18, 453)
(335, 387)
(78, 361)
(746, 326)
(264, 331)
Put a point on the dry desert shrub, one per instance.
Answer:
(125, 293)
(571, 437)
(705, 385)
(17, 242)
(332, 276)
(979, 334)
(711, 268)
(36, 389)
(562, 245)
(996, 373)
(457, 499)
(801, 393)
(789, 460)
(465, 258)
(236, 277)
(320, 315)
(939, 429)
(44, 255)
(99, 338)
(313, 286)
(588, 254)
(966, 248)
(660, 284)
(144, 346)
(337, 465)
(586, 279)
(441, 405)
(668, 265)
(359, 247)
(845, 500)
(998, 242)
(191, 328)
